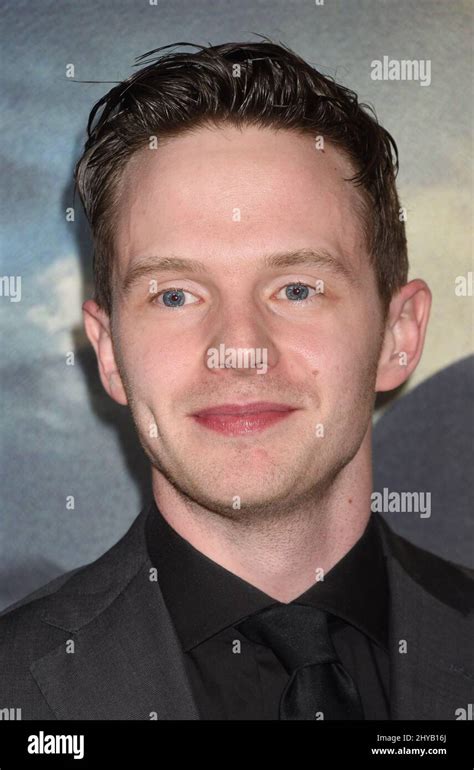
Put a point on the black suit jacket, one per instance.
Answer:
(98, 642)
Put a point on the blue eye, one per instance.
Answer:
(173, 298)
(297, 292)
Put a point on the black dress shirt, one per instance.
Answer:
(234, 678)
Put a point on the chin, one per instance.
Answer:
(240, 499)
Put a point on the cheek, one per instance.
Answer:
(320, 348)
(155, 366)
(339, 358)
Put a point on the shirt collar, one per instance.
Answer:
(203, 597)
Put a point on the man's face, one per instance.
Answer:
(231, 200)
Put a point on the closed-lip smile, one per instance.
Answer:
(242, 419)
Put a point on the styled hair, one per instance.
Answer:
(257, 83)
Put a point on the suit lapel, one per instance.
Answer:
(120, 658)
(430, 640)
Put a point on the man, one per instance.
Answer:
(251, 298)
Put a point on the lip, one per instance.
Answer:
(255, 407)
(243, 419)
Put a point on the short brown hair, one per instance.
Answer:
(263, 84)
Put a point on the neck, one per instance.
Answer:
(282, 556)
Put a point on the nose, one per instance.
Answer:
(241, 342)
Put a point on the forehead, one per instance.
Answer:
(226, 195)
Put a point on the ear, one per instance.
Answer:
(404, 335)
(97, 326)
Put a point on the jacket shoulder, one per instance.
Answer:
(28, 625)
(45, 590)
(24, 636)
(23, 632)
(450, 583)
(49, 617)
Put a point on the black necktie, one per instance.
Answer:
(319, 687)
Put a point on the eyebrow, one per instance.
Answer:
(150, 265)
